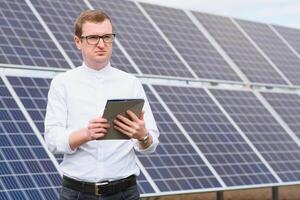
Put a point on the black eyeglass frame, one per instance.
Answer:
(99, 37)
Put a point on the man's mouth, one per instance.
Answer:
(100, 52)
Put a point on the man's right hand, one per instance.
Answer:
(96, 128)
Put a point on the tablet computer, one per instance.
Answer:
(114, 107)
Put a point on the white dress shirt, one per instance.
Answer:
(79, 95)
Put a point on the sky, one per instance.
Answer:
(278, 12)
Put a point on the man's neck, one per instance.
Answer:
(96, 66)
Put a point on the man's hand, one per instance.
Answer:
(96, 128)
(133, 126)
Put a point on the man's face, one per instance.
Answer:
(95, 55)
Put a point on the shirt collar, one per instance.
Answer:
(98, 73)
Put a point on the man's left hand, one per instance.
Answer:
(133, 126)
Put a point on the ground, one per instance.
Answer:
(285, 193)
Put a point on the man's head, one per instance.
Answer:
(96, 51)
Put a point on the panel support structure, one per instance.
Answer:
(275, 193)
(220, 195)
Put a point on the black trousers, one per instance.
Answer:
(130, 193)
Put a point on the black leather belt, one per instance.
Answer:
(106, 187)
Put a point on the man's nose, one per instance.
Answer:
(101, 43)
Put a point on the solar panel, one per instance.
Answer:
(240, 50)
(288, 107)
(23, 41)
(191, 43)
(33, 94)
(291, 35)
(144, 185)
(175, 166)
(274, 48)
(230, 155)
(60, 17)
(26, 172)
(274, 144)
(142, 42)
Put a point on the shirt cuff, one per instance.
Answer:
(63, 144)
(149, 149)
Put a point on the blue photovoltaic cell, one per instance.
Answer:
(240, 50)
(269, 138)
(291, 35)
(25, 168)
(226, 150)
(175, 166)
(60, 17)
(140, 39)
(33, 94)
(288, 107)
(274, 48)
(144, 185)
(206, 62)
(23, 41)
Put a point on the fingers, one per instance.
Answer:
(124, 126)
(132, 115)
(125, 120)
(98, 125)
(133, 126)
(123, 131)
(97, 128)
(98, 120)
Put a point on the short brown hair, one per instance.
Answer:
(89, 16)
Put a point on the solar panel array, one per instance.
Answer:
(23, 41)
(280, 54)
(191, 43)
(175, 165)
(269, 138)
(291, 35)
(241, 51)
(59, 17)
(26, 170)
(223, 146)
(287, 105)
(213, 136)
(33, 94)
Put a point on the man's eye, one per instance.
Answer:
(93, 37)
(106, 36)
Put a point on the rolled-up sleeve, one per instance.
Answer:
(56, 130)
(149, 149)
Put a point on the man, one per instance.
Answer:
(96, 169)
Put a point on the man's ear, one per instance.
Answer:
(77, 41)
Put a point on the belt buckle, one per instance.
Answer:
(97, 187)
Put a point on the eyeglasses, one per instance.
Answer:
(94, 39)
